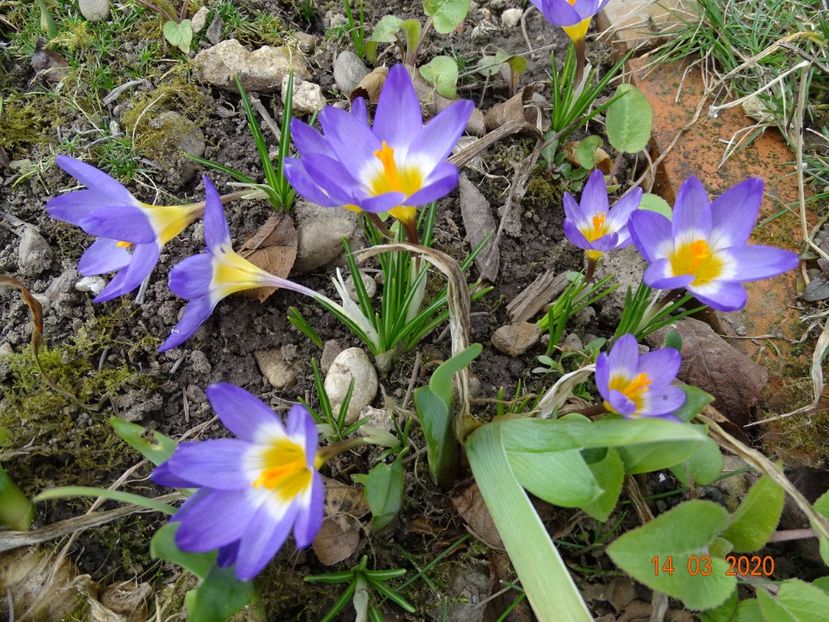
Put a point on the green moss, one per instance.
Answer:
(543, 193)
(28, 120)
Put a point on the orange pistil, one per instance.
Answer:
(122, 244)
(284, 470)
(695, 258)
(634, 388)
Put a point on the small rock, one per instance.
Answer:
(305, 42)
(627, 267)
(34, 255)
(320, 231)
(350, 364)
(369, 284)
(510, 18)
(378, 418)
(515, 339)
(348, 71)
(261, 70)
(573, 342)
(185, 134)
(91, 284)
(330, 350)
(214, 30)
(484, 31)
(273, 366)
(308, 97)
(199, 20)
(586, 317)
(199, 362)
(332, 19)
(94, 10)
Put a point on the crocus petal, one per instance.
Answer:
(350, 140)
(624, 356)
(244, 414)
(382, 202)
(620, 403)
(264, 536)
(301, 425)
(142, 262)
(661, 365)
(216, 231)
(94, 179)
(651, 232)
(227, 554)
(572, 232)
(103, 256)
(359, 110)
(659, 275)
(619, 214)
(755, 262)
(332, 177)
(217, 463)
(572, 211)
(437, 138)
(558, 12)
(606, 243)
(128, 223)
(594, 195)
(195, 314)
(309, 519)
(664, 402)
(73, 207)
(692, 212)
(603, 375)
(734, 213)
(191, 277)
(441, 182)
(306, 185)
(214, 518)
(163, 476)
(307, 140)
(720, 295)
(398, 119)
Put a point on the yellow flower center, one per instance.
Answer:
(394, 178)
(122, 244)
(695, 258)
(632, 388)
(233, 273)
(577, 32)
(170, 220)
(284, 470)
(598, 228)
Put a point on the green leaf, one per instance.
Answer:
(650, 457)
(586, 151)
(757, 517)
(544, 577)
(558, 477)
(411, 28)
(703, 467)
(446, 14)
(747, 611)
(655, 203)
(695, 400)
(724, 612)
(47, 22)
(629, 120)
(797, 601)
(16, 511)
(822, 507)
(134, 435)
(441, 380)
(64, 492)
(220, 596)
(491, 65)
(610, 475)
(179, 35)
(680, 533)
(386, 29)
(518, 64)
(384, 492)
(822, 583)
(163, 546)
(442, 73)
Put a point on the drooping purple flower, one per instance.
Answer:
(253, 490)
(573, 16)
(704, 249)
(207, 278)
(635, 385)
(594, 226)
(394, 166)
(130, 234)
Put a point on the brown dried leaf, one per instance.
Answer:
(512, 110)
(333, 544)
(343, 502)
(370, 86)
(479, 223)
(272, 248)
(469, 504)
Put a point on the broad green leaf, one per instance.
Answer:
(797, 601)
(179, 35)
(822, 583)
(748, 611)
(518, 64)
(757, 517)
(16, 511)
(655, 203)
(442, 73)
(549, 587)
(446, 14)
(695, 400)
(163, 546)
(411, 28)
(220, 596)
(441, 380)
(685, 531)
(491, 65)
(47, 22)
(724, 612)
(586, 151)
(822, 508)
(384, 492)
(135, 436)
(558, 477)
(386, 29)
(703, 467)
(650, 457)
(629, 120)
(610, 475)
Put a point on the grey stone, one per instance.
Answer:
(273, 366)
(330, 350)
(91, 284)
(94, 10)
(199, 20)
(510, 18)
(199, 362)
(349, 69)
(627, 267)
(305, 42)
(34, 255)
(350, 364)
(307, 98)
(369, 283)
(573, 342)
(185, 134)
(515, 339)
(320, 231)
(261, 70)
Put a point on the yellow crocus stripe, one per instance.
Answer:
(695, 258)
(170, 220)
(577, 32)
(394, 178)
(632, 388)
(598, 227)
(284, 470)
(233, 273)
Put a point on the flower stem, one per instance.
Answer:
(380, 225)
(332, 451)
(411, 231)
(591, 270)
(592, 411)
(581, 60)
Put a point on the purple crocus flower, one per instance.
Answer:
(573, 16)
(130, 234)
(251, 490)
(207, 278)
(394, 166)
(704, 250)
(592, 225)
(635, 385)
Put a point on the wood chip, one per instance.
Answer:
(536, 296)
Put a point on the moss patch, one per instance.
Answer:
(28, 120)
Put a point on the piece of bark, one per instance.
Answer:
(479, 223)
(516, 108)
(536, 296)
(272, 248)
(712, 364)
